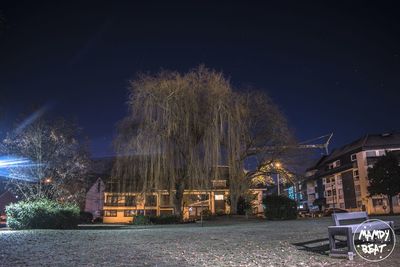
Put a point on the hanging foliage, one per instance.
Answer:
(181, 126)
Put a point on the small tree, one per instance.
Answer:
(384, 177)
(56, 162)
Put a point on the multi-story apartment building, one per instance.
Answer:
(340, 179)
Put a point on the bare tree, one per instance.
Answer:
(53, 162)
(263, 137)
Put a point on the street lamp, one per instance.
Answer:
(278, 165)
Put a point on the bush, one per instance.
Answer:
(141, 219)
(165, 219)
(85, 217)
(220, 212)
(42, 214)
(244, 205)
(206, 213)
(279, 207)
(98, 220)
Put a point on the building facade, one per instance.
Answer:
(94, 200)
(120, 207)
(340, 180)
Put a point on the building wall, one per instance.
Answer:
(117, 210)
(351, 186)
(95, 199)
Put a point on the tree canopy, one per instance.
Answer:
(180, 127)
(384, 177)
(54, 161)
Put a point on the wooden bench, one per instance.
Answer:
(348, 230)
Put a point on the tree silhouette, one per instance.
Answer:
(384, 177)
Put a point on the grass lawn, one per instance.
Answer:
(224, 242)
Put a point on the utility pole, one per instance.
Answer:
(279, 187)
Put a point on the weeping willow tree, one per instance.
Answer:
(172, 137)
(181, 126)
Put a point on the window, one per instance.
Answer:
(110, 213)
(130, 201)
(356, 175)
(377, 202)
(219, 197)
(165, 200)
(336, 164)
(329, 192)
(151, 200)
(334, 192)
(342, 205)
(114, 200)
(328, 180)
(353, 157)
(323, 181)
(371, 153)
(359, 203)
(129, 213)
(358, 188)
(151, 212)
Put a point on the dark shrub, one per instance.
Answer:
(42, 214)
(85, 217)
(206, 213)
(280, 208)
(98, 220)
(220, 212)
(244, 204)
(165, 219)
(141, 219)
(151, 219)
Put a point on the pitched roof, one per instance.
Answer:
(369, 141)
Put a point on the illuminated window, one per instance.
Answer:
(219, 197)
(130, 201)
(129, 213)
(110, 213)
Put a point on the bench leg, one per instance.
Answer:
(332, 242)
(350, 244)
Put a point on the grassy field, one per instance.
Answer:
(224, 242)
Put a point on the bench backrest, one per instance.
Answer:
(339, 217)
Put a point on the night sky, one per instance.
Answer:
(330, 67)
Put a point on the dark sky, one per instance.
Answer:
(331, 67)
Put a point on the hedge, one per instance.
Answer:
(42, 214)
(163, 219)
(279, 208)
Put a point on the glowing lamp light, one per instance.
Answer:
(278, 164)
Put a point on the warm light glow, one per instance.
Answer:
(48, 180)
(278, 164)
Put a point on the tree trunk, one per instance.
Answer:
(234, 202)
(178, 199)
(390, 198)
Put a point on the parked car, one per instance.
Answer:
(330, 211)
